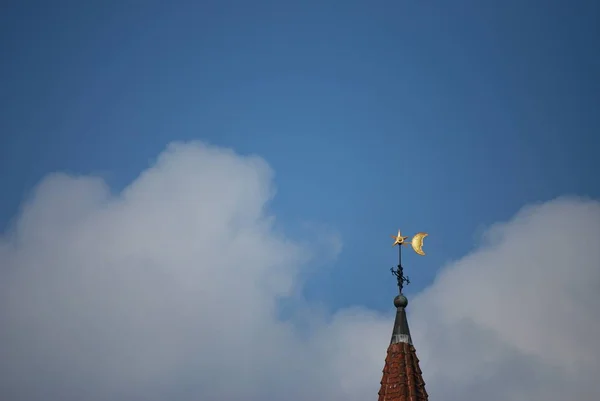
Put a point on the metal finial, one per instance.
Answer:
(417, 245)
(402, 279)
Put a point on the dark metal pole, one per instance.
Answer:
(399, 271)
(400, 255)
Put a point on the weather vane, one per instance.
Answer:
(417, 246)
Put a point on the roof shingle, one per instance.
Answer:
(402, 378)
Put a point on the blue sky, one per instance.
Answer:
(431, 116)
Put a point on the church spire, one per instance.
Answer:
(401, 332)
(402, 379)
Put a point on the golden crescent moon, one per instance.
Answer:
(417, 243)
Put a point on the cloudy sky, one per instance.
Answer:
(197, 198)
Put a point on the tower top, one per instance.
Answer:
(402, 379)
(401, 332)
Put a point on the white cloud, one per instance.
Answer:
(169, 290)
(521, 312)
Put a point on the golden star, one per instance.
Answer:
(398, 239)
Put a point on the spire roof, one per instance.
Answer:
(401, 332)
(402, 377)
